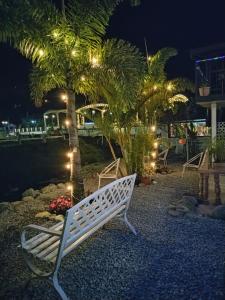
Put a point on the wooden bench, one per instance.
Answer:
(50, 245)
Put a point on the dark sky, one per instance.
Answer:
(182, 24)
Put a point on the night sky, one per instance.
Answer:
(183, 25)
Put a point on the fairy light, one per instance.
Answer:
(153, 128)
(153, 154)
(69, 154)
(155, 145)
(67, 122)
(152, 164)
(155, 87)
(68, 166)
(149, 57)
(169, 87)
(64, 97)
(73, 52)
(95, 61)
(69, 187)
(41, 52)
(82, 78)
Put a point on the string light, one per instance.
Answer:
(169, 87)
(73, 52)
(41, 52)
(155, 145)
(95, 62)
(67, 122)
(153, 128)
(152, 164)
(64, 97)
(155, 87)
(82, 78)
(68, 166)
(69, 187)
(69, 154)
(153, 154)
(149, 57)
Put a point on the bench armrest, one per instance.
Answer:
(45, 230)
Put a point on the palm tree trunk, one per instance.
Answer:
(76, 181)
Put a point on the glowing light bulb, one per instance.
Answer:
(153, 154)
(155, 87)
(46, 117)
(82, 78)
(73, 52)
(69, 187)
(64, 97)
(155, 144)
(152, 164)
(67, 122)
(169, 87)
(153, 128)
(53, 116)
(41, 52)
(69, 154)
(93, 112)
(149, 57)
(68, 166)
(95, 62)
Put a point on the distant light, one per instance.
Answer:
(55, 33)
(73, 52)
(155, 87)
(64, 97)
(93, 112)
(149, 57)
(33, 121)
(67, 122)
(46, 117)
(153, 128)
(69, 154)
(95, 62)
(41, 52)
(68, 166)
(69, 187)
(155, 145)
(53, 116)
(153, 154)
(169, 87)
(152, 164)
(5, 122)
(82, 78)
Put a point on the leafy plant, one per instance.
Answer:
(217, 149)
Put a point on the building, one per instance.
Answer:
(210, 85)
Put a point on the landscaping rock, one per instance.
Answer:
(189, 201)
(4, 206)
(36, 193)
(29, 192)
(218, 212)
(49, 188)
(28, 198)
(56, 217)
(61, 186)
(175, 212)
(43, 214)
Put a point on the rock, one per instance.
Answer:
(29, 192)
(43, 214)
(175, 213)
(58, 218)
(189, 201)
(4, 206)
(36, 193)
(28, 198)
(61, 186)
(218, 212)
(182, 208)
(49, 188)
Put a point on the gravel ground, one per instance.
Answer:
(170, 258)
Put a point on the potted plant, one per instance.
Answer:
(204, 89)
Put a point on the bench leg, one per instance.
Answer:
(131, 227)
(58, 288)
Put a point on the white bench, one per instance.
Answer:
(81, 221)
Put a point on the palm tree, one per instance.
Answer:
(64, 48)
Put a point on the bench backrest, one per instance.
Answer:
(113, 167)
(94, 209)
